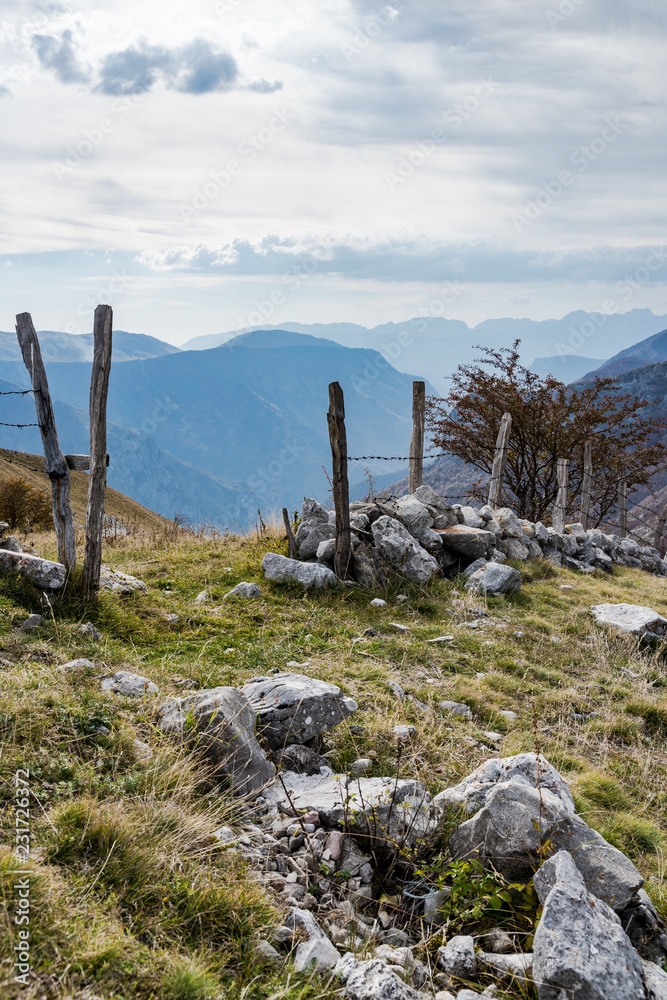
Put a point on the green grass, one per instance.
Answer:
(133, 897)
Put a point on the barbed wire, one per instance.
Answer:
(391, 458)
(3, 424)
(18, 392)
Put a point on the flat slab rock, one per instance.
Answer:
(632, 619)
(43, 573)
(382, 808)
(292, 708)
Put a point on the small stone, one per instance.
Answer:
(226, 836)
(81, 663)
(32, 622)
(441, 638)
(244, 589)
(88, 631)
(401, 598)
(369, 633)
(361, 766)
(124, 682)
(398, 627)
(509, 715)
(171, 619)
(377, 602)
(494, 737)
(266, 952)
(396, 690)
(202, 597)
(404, 733)
(142, 752)
(456, 708)
(458, 958)
(566, 588)
(498, 941)
(103, 730)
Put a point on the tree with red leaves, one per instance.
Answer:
(550, 420)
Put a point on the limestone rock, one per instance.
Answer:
(469, 543)
(244, 589)
(632, 619)
(301, 760)
(88, 631)
(11, 544)
(655, 981)
(222, 721)
(580, 949)
(292, 708)
(514, 548)
(115, 582)
(509, 522)
(456, 708)
(396, 546)
(372, 980)
(457, 957)
(280, 569)
(494, 579)
(43, 573)
(382, 808)
(31, 622)
(518, 966)
(316, 953)
(131, 685)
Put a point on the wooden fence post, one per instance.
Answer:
(54, 460)
(341, 492)
(587, 483)
(561, 501)
(417, 439)
(290, 534)
(99, 389)
(660, 527)
(500, 460)
(623, 510)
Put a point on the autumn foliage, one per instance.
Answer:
(550, 420)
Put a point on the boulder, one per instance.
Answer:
(468, 543)
(30, 623)
(509, 522)
(11, 544)
(645, 928)
(474, 566)
(280, 569)
(517, 821)
(316, 953)
(382, 809)
(43, 573)
(655, 981)
(514, 548)
(244, 589)
(472, 518)
(311, 542)
(396, 547)
(372, 980)
(580, 949)
(631, 619)
(222, 721)
(292, 708)
(312, 514)
(414, 515)
(470, 794)
(437, 506)
(457, 958)
(115, 582)
(494, 579)
(131, 685)
(326, 551)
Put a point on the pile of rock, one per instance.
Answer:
(421, 534)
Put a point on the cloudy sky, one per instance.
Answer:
(329, 160)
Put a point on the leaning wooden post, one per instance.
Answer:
(587, 483)
(660, 527)
(560, 509)
(623, 510)
(54, 460)
(338, 439)
(99, 390)
(417, 439)
(500, 460)
(290, 534)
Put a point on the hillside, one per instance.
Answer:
(134, 897)
(647, 352)
(127, 512)
(79, 347)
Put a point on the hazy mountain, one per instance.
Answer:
(79, 347)
(565, 367)
(435, 346)
(647, 352)
(251, 414)
(139, 468)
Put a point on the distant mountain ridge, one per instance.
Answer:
(79, 347)
(651, 351)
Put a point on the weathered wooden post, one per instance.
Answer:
(500, 460)
(659, 528)
(341, 491)
(99, 390)
(54, 460)
(417, 439)
(623, 510)
(587, 483)
(290, 534)
(560, 509)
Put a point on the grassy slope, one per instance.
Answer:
(30, 467)
(132, 899)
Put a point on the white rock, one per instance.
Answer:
(115, 582)
(398, 627)
(632, 619)
(372, 980)
(316, 953)
(131, 685)
(508, 714)
(280, 569)
(244, 589)
(377, 602)
(457, 957)
(202, 597)
(403, 733)
(441, 638)
(88, 631)
(43, 573)
(456, 708)
(81, 663)
(655, 980)
(469, 543)
(518, 966)
(292, 708)
(509, 522)
(396, 546)
(494, 579)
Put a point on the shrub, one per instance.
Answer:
(23, 506)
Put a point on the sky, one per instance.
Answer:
(329, 161)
